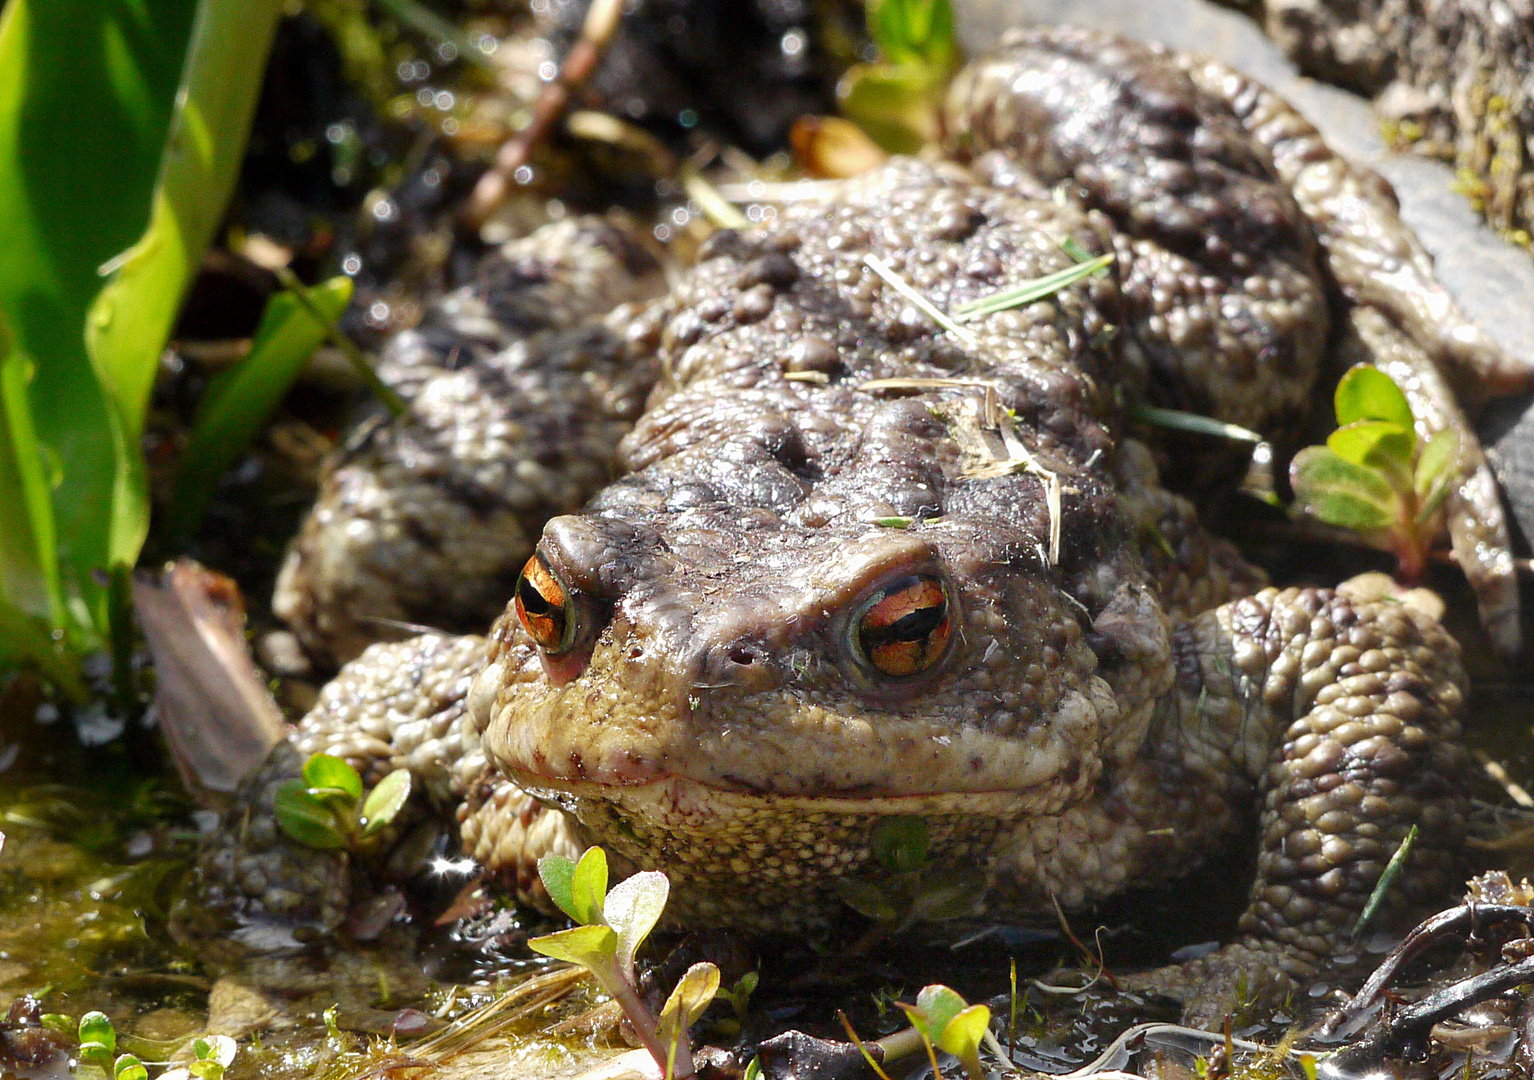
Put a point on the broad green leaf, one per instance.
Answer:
(29, 558)
(917, 33)
(306, 818)
(1436, 462)
(632, 908)
(328, 771)
(690, 999)
(867, 899)
(130, 321)
(900, 843)
(588, 887)
(1341, 493)
(23, 636)
(237, 405)
(558, 874)
(385, 801)
(128, 1067)
(86, 97)
(962, 1034)
(895, 106)
(1379, 444)
(937, 1005)
(95, 1027)
(589, 946)
(1367, 393)
(948, 898)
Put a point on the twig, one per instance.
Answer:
(386, 393)
(601, 21)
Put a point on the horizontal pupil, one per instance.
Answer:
(913, 626)
(533, 601)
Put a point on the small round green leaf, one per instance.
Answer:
(962, 1034)
(1341, 493)
(589, 946)
(329, 771)
(1435, 467)
(557, 873)
(216, 1048)
(867, 899)
(632, 908)
(96, 1028)
(128, 1067)
(588, 887)
(385, 801)
(306, 818)
(938, 1004)
(1367, 393)
(95, 1053)
(1379, 444)
(900, 843)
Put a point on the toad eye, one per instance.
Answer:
(905, 627)
(545, 607)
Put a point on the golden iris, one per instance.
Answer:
(545, 607)
(905, 627)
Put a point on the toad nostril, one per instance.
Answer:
(742, 656)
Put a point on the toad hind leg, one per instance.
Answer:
(1342, 709)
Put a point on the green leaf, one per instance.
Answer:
(918, 33)
(385, 801)
(589, 946)
(128, 1067)
(867, 899)
(1436, 472)
(234, 409)
(96, 1029)
(558, 875)
(962, 1034)
(323, 771)
(895, 106)
(1367, 393)
(588, 887)
(690, 999)
(306, 817)
(632, 908)
(219, 1049)
(900, 843)
(1378, 444)
(86, 97)
(936, 1005)
(129, 322)
(1341, 493)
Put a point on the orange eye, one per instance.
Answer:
(544, 607)
(905, 627)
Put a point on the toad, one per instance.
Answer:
(862, 563)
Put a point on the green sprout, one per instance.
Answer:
(613, 924)
(1374, 476)
(909, 892)
(897, 100)
(947, 1022)
(211, 1055)
(98, 1040)
(326, 808)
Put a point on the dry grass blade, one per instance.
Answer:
(904, 288)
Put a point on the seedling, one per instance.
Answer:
(909, 894)
(211, 1056)
(946, 1021)
(98, 1040)
(1374, 476)
(613, 924)
(326, 809)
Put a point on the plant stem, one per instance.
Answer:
(386, 393)
(634, 1008)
